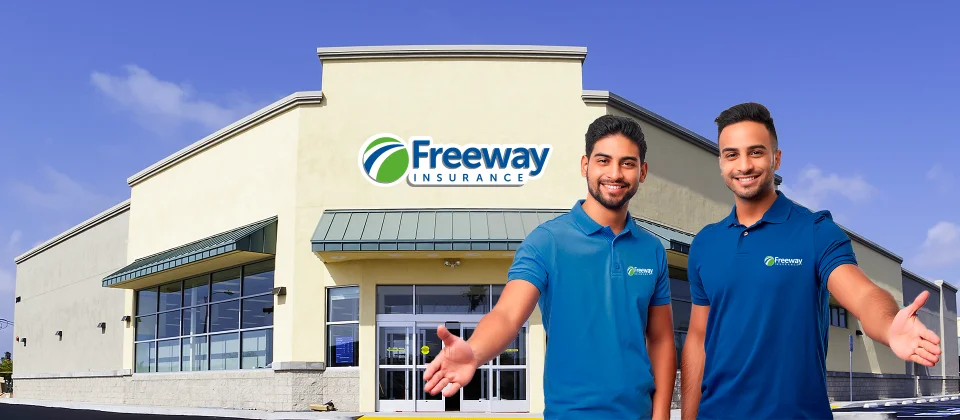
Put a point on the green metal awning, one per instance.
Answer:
(446, 230)
(246, 243)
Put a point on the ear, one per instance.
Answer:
(643, 171)
(776, 160)
(584, 160)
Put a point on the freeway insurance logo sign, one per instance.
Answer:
(386, 159)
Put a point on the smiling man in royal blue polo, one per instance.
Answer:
(761, 280)
(604, 294)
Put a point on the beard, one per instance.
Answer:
(612, 203)
(761, 189)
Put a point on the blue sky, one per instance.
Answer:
(865, 96)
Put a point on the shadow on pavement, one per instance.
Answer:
(30, 412)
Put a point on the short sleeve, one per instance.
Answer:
(697, 294)
(833, 247)
(661, 292)
(531, 262)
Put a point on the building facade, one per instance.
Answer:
(308, 252)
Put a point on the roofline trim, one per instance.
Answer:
(872, 245)
(946, 284)
(76, 230)
(269, 111)
(622, 104)
(451, 51)
(918, 278)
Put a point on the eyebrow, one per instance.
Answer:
(756, 146)
(604, 155)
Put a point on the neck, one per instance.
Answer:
(750, 211)
(616, 219)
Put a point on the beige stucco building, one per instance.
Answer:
(274, 264)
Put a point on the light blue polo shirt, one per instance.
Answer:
(766, 337)
(595, 290)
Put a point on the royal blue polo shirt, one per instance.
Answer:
(769, 320)
(595, 290)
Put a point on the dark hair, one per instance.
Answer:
(749, 111)
(609, 125)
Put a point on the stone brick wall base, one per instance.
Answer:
(266, 390)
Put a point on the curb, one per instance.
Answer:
(894, 402)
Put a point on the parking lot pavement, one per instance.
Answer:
(33, 412)
(15, 408)
(946, 407)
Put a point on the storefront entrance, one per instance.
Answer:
(407, 343)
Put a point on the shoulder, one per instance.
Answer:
(543, 237)
(825, 229)
(818, 219)
(708, 232)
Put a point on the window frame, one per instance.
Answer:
(153, 344)
(328, 351)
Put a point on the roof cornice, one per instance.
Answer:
(452, 51)
(622, 104)
(76, 230)
(278, 107)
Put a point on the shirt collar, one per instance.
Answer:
(778, 212)
(590, 226)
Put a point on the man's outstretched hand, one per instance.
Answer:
(454, 366)
(909, 339)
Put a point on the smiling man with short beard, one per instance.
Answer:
(761, 280)
(603, 287)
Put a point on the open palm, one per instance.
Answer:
(912, 341)
(454, 366)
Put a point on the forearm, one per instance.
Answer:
(876, 310)
(663, 357)
(691, 376)
(495, 331)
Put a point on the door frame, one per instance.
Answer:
(414, 321)
(408, 404)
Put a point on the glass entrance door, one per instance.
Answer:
(395, 373)
(509, 377)
(428, 347)
(475, 397)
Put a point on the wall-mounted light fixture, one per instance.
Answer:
(18, 299)
(126, 318)
(280, 291)
(451, 263)
(59, 334)
(103, 327)
(24, 341)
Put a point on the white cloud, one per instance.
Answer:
(7, 282)
(61, 192)
(941, 178)
(813, 187)
(152, 99)
(14, 240)
(942, 246)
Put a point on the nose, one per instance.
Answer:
(744, 165)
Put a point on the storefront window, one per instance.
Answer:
(343, 326)
(681, 302)
(175, 322)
